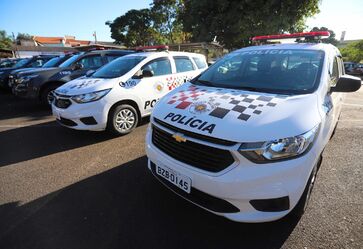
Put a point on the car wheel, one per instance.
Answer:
(47, 95)
(302, 205)
(122, 120)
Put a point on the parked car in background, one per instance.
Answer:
(353, 68)
(119, 94)
(33, 62)
(8, 62)
(39, 84)
(54, 62)
(245, 139)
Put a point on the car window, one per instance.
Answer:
(291, 71)
(118, 67)
(70, 61)
(53, 62)
(335, 72)
(111, 57)
(38, 62)
(160, 66)
(183, 64)
(94, 61)
(200, 62)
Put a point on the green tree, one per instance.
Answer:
(353, 52)
(5, 40)
(234, 22)
(331, 39)
(134, 28)
(166, 19)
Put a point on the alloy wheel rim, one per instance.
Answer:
(125, 120)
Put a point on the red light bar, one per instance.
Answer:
(159, 47)
(294, 35)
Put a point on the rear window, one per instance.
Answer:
(200, 62)
(183, 64)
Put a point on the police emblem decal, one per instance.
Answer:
(201, 107)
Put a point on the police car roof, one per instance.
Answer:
(310, 46)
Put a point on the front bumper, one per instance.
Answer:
(86, 116)
(25, 91)
(243, 181)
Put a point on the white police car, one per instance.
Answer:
(119, 94)
(244, 139)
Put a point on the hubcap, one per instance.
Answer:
(125, 120)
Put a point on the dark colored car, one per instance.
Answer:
(353, 68)
(33, 62)
(54, 62)
(39, 84)
(8, 62)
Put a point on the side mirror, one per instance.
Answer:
(90, 72)
(78, 66)
(347, 83)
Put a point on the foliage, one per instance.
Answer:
(5, 40)
(331, 39)
(165, 15)
(353, 52)
(234, 22)
(133, 28)
(23, 36)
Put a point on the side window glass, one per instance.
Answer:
(111, 57)
(200, 62)
(91, 62)
(158, 67)
(335, 72)
(183, 64)
(37, 63)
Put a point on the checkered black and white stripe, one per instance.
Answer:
(226, 102)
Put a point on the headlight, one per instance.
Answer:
(26, 78)
(286, 148)
(89, 97)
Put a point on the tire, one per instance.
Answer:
(302, 205)
(45, 94)
(122, 120)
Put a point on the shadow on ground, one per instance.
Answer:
(126, 207)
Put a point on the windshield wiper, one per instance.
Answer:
(205, 82)
(256, 89)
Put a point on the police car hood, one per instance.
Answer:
(236, 115)
(29, 71)
(85, 85)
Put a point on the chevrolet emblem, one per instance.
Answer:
(179, 138)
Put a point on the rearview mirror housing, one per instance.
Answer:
(77, 66)
(347, 83)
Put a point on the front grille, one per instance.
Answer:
(62, 103)
(194, 154)
(195, 135)
(203, 199)
(67, 122)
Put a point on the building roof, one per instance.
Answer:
(48, 40)
(67, 40)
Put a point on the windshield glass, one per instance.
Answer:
(52, 62)
(118, 67)
(21, 62)
(274, 70)
(70, 61)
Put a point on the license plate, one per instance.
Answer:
(181, 181)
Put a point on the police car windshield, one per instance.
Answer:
(22, 62)
(52, 62)
(286, 71)
(118, 67)
(70, 61)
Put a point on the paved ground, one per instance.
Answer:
(66, 189)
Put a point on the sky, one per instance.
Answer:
(81, 18)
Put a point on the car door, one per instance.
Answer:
(185, 71)
(90, 62)
(333, 100)
(151, 89)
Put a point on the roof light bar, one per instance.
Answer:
(159, 47)
(290, 36)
